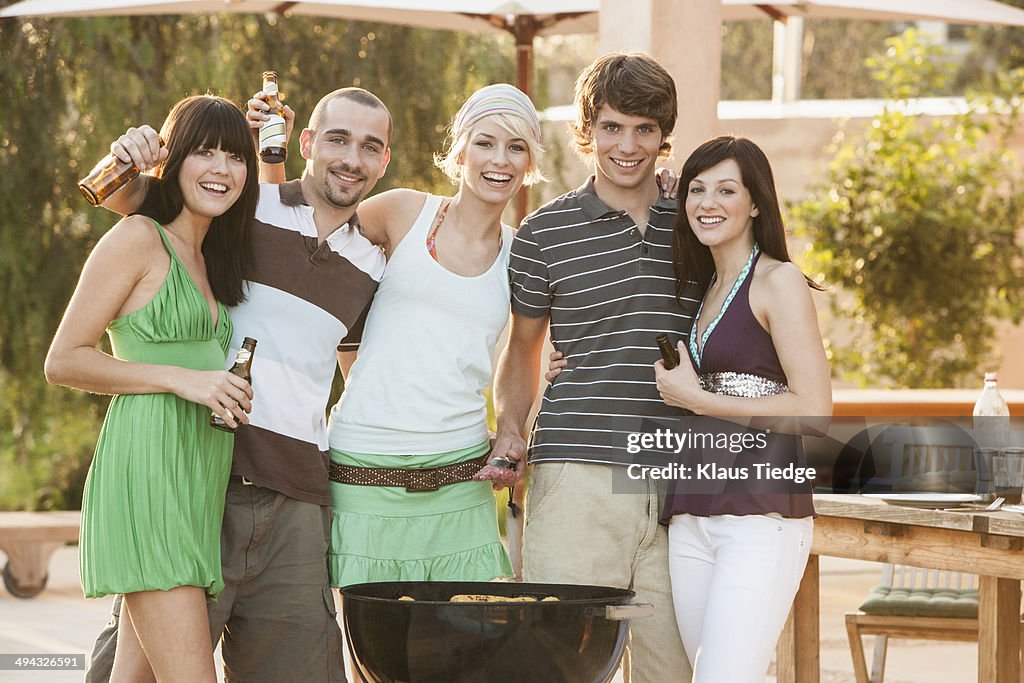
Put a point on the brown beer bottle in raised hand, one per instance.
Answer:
(241, 368)
(107, 177)
(273, 134)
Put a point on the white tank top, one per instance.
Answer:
(426, 355)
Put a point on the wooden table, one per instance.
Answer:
(990, 545)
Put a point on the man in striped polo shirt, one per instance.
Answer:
(597, 264)
(313, 278)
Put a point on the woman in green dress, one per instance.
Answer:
(158, 283)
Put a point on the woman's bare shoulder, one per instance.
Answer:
(392, 212)
(135, 237)
(779, 276)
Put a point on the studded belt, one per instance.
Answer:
(412, 478)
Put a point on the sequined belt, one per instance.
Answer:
(741, 384)
(412, 478)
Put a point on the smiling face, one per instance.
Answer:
(625, 149)
(211, 180)
(718, 205)
(494, 162)
(348, 153)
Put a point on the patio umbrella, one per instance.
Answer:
(523, 19)
(527, 19)
(948, 11)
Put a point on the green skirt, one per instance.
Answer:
(385, 533)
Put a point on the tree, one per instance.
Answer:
(917, 222)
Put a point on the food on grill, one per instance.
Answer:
(477, 597)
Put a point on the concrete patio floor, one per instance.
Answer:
(60, 621)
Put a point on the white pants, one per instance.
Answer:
(733, 583)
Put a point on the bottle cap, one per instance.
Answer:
(991, 377)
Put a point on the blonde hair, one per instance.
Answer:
(451, 160)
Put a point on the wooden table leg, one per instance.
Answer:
(28, 566)
(798, 655)
(998, 630)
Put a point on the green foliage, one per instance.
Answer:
(917, 222)
(994, 52)
(73, 85)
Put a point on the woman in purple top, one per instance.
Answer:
(737, 555)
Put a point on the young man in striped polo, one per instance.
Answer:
(596, 264)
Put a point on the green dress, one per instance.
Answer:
(154, 497)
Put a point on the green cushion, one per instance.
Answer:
(922, 602)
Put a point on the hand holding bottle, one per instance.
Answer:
(258, 113)
(680, 386)
(141, 146)
(139, 149)
(225, 394)
(242, 369)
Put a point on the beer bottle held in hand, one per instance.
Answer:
(669, 354)
(273, 137)
(109, 176)
(241, 368)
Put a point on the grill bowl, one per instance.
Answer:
(432, 640)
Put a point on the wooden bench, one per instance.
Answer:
(29, 539)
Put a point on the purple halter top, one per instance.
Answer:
(735, 356)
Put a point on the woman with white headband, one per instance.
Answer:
(410, 430)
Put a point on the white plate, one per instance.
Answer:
(926, 500)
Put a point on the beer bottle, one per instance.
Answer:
(106, 178)
(669, 354)
(273, 134)
(109, 176)
(241, 368)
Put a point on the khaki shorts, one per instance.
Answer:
(277, 614)
(578, 531)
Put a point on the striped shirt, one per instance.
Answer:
(608, 291)
(302, 301)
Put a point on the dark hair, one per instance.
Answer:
(630, 83)
(210, 121)
(357, 95)
(692, 260)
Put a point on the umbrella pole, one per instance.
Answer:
(524, 70)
